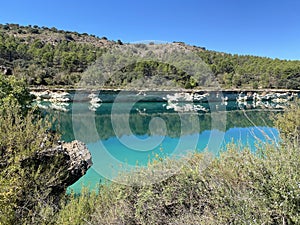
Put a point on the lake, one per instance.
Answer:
(122, 135)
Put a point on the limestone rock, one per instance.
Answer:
(64, 164)
(80, 160)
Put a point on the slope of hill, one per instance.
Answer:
(47, 56)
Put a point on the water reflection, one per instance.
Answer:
(142, 113)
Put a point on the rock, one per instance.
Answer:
(180, 97)
(80, 160)
(66, 163)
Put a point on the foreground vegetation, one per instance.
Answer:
(48, 56)
(238, 187)
(25, 184)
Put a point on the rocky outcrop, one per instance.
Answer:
(79, 160)
(64, 164)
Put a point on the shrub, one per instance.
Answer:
(239, 187)
(24, 184)
(25, 188)
(289, 124)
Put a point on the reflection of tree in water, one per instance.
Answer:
(139, 123)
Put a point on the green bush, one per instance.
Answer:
(289, 124)
(24, 183)
(25, 187)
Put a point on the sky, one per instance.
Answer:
(268, 28)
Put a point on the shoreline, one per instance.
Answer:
(96, 89)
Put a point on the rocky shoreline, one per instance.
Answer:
(196, 96)
(204, 89)
(61, 99)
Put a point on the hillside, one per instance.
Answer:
(47, 56)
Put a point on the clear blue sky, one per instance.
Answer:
(258, 27)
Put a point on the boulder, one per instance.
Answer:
(80, 160)
(64, 164)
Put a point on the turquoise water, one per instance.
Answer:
(154, 130)
(243, 136)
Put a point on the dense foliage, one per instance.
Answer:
(25, 185)
(252, 71)
(289, 125)
(14, 91)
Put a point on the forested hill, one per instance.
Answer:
(48, 56)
